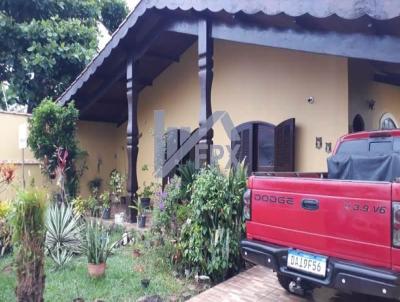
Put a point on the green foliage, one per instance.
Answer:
(95, 185)
(210, 239)
(28, 215)
(84, 206)
(187, 173)
(52, 127)
(5, 209)
(44, 44)
(113, 12)
(105, 199)
(28, 224)
(166, 207)
(122, 282)
(117, 183)
(64, 234)
(146, 191)
(5, 228)
(97, 244)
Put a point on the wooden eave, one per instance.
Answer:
(157, 32)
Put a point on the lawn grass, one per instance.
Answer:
(121, 283)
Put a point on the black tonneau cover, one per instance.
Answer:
(368, 166)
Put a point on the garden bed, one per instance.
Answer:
(121, 283)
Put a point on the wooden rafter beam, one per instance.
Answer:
(105, 87)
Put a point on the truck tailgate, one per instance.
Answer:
(344, 219)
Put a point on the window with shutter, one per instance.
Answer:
(174, 139)
(245, 151)
(284, 146)
(265, 147)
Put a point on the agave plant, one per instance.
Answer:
(97, 244)
(64, 234)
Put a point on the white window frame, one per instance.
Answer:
(385, 116)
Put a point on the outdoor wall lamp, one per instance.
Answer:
(318, 142)
(371, 104)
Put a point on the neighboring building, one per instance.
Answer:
(332, 66)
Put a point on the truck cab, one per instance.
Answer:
(339, 229)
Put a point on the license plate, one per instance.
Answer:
(306, 262)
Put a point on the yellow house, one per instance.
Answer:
(324, 67)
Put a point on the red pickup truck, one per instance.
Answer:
(339, 229)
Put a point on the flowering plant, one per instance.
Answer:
(117, 182)
(7, 175)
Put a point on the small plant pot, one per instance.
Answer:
(107, 213)
(145, 201)
(141, 221)
(96, 270)
(136, 253)
(145, 283)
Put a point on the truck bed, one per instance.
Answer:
(336, 218)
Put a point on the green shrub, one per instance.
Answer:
(82, 206)
(50, 128)
(64, 234)
(166, 207)
(28, 223)
(211, 236)
(188, 174)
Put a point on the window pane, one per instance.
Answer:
(385, 147)
(354, 147)
(266, 146)
(388, 123)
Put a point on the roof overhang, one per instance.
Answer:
(157, 32)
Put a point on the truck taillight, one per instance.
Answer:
(396, 224)
(247, 204)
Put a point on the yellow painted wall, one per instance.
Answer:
(100, 140)
(362, 88)
(9, 153)
(254, 83)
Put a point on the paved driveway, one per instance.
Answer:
(260, 284)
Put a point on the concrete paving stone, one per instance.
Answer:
(259, 284)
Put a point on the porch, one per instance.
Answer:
(266, 67)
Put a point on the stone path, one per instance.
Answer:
(260, 284)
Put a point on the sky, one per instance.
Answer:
(104, 37)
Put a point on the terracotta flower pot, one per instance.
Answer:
(96, 270)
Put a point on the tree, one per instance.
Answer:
(44, 44)
(52, 138)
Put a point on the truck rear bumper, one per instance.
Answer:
(342, 275)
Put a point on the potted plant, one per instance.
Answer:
(141, 216)
(117, 184)
(146, 194)
(106, 204)
(97, 248)
(95, 185)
